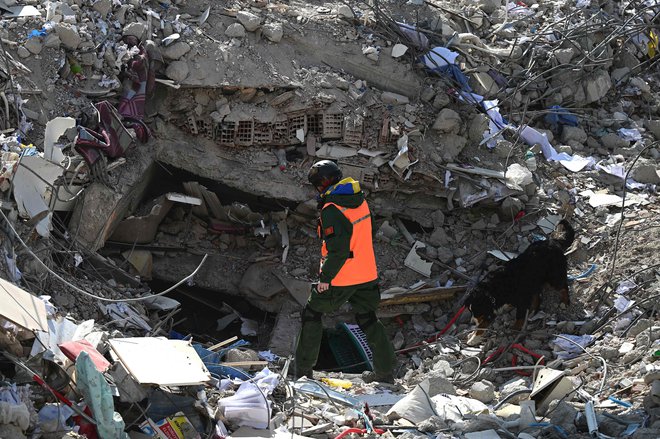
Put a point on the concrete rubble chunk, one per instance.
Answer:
(103, 7)
(452, 145)
(250, 21)
(613, 141)
(483, 391)
(345, 11)
(646, 171)
(394, 98)
(573, 133)
(563, 414)
(399, 50)
(653, 126)
(596, 86)
(23, 52)
(235, 30)
(33, 45)
(490, 6)
(176, 51)
(447, 121)
(177, 70)
(69, 35)
(273, 32)
(136, 29)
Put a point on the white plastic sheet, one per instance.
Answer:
(250, 406)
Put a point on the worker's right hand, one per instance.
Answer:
(322, 287)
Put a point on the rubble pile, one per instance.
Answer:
(160, 235)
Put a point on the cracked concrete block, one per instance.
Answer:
(135, 29)
(238, 355)
(439, 384)
(345, 11)
(103, 7)
(273, 32)
(483, 391)
(573, 133)
(394, 98)
(510, 208)
(33, 45)
(596, 86)
(646, 171)
(52, 41)
(654, 127)
(483, 84)
(563, 415)
(447, 121)
(452, 145)
(23, 52)
(564, 56)
(176, 50)
(441, 100)
(476, 127)
(235, 30)
(490, 6)
(177, 70)
(250, 21)
(68, 35)
(613, 141)
(92, 219)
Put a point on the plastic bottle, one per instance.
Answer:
(530, 161)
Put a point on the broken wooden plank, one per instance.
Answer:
(222, 343)
(426, 295)
(244, 363)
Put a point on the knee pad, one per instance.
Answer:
(309, 315)
(365, 320)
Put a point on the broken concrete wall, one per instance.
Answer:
(101, 208)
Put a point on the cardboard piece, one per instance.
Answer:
(416, 263)
(22, 308)
(550, 385)
(160, 361)
(54, 129)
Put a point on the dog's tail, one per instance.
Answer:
(566, 234)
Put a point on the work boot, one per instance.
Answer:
(371, 376)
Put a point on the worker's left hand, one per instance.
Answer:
(322, 287)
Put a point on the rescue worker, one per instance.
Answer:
(348, 272)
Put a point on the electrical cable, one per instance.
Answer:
(602, 383)
(94, 296)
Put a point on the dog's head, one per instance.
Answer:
(482, 308)
(481, 305)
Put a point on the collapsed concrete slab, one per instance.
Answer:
(207, 161)
(101, 208)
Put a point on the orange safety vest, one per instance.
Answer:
(360, 267)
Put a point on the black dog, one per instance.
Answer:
(520, 281)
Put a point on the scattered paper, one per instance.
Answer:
(630, 134)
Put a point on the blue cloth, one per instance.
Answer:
(37, 33)
(212, 361)
(560, 116)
